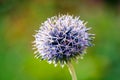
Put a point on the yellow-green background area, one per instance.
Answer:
(20, 18)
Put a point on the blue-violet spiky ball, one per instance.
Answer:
(62, 38)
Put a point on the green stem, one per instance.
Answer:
(72, 71)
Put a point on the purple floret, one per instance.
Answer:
(62, 38)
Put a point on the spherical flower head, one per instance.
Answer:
(61, 39)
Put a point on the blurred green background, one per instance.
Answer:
(20, 18)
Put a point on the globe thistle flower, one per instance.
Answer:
(61, 39)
